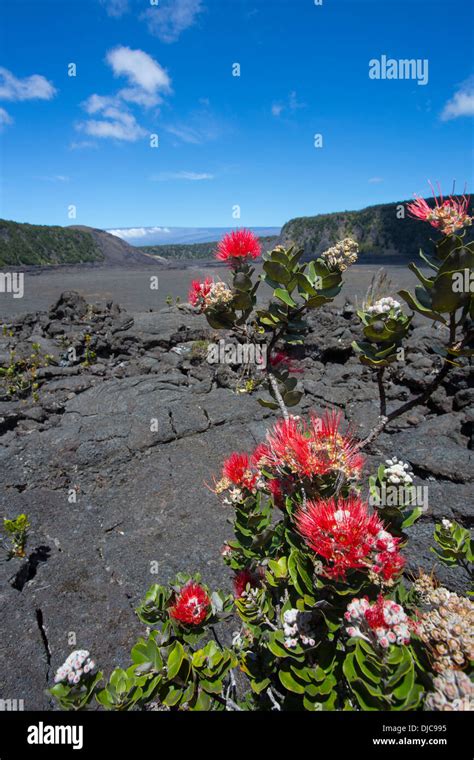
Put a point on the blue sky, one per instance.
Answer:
(224, 140)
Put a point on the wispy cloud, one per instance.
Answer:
(82, 144)
(137, 232)
(375, 180)
(462, 102)
(115, 8)
(289, 105)
(5, 118)
(54, 178)
(170, 18)
(183, 175)
(35, 87)
(113, 118)
(201, 126)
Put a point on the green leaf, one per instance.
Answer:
(417, 306)
(281, 257)
(412, 517)
(175, 659)
(424, 280)
(267, 404)
(173, 696)
(284, 296)
(290, 683)
(305, 284)
(277, 272)
(292, 398)
(259, 686)
(444, 297)
(202, 702)
(428, 260)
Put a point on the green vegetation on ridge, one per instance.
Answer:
(34, 244)
(379, 230)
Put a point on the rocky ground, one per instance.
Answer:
(113, 496)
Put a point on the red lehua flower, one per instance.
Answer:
(244, 578)
(448, 215)
(289, 448)
(282, 360)
(343, 533)
(239, 245)
(341, 450)
(389, 564)
(312, 450)
(276, 489)
(260, 453)
(237, 469)
(375, 614)
(198, 291)
(191, 605)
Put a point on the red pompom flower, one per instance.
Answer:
(238, 246)
(448, 216)
(237, 469)
(191, 605)
(311, 450)
(389, 564)
(281, 360)
(199, 291)
(243, 579)
(343, 533)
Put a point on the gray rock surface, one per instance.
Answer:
(115, 461)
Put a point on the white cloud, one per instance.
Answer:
(375, 180)
(139, 68)
(462, 102)
(139, 97)
(115, 123)
(277, 108)
(96, 103)
(137, 232)
(35, 87)
(172, 17)
(114, 119)
(189, 176)
(115, 8)
(5, 118)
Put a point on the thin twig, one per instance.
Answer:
(274, 383)
(231, 705)
(269, 623)
(382, 396)
(423, 397)
(275, 704)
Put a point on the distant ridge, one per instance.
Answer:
(378, 230)
(116, 252)
(35, 245)
(191, 251)
(166, 236)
